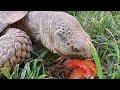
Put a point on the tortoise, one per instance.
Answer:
(58, 31)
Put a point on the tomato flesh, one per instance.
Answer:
(81, 69)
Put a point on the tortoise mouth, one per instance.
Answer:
(74, 56)
(81, 57)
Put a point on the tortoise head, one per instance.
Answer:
(75, 48)
(70, 40)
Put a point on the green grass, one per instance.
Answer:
(104, 29)
(32, 69)
(97, 62)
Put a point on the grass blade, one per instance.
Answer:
(116, 45)
(42, 76)
(28, 70)
(15, 72)
(24, 72)
(44, 52)
(31, 76)
(97, 61)
(6, 73)
(37, 73)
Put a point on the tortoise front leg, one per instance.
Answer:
(15, 47)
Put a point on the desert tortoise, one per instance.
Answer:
(58, 31)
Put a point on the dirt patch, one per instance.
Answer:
(56, 69)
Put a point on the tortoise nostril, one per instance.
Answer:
(83, 50)
(74, 49)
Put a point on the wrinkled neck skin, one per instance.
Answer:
(21, 24)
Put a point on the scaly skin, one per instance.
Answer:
(59, 32)
(15, 47)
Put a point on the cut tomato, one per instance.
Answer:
(79, 66)
(91, 64)
(77, 73)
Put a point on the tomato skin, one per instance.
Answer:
(91, 63)
(77, 73)
(74, 63)
(80, 66)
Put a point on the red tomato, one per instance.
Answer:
(91, 64)
(77, 73)
(75, 64)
